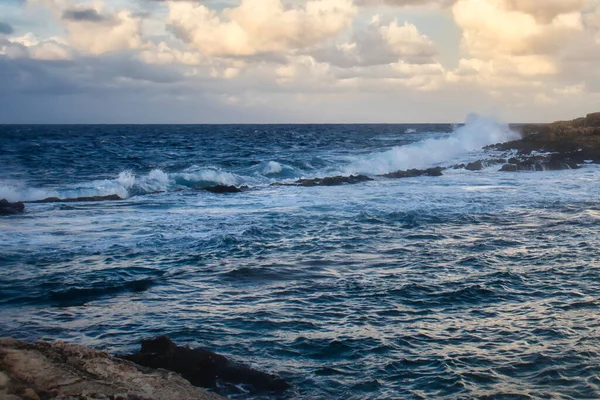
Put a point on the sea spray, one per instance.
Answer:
(477, 133)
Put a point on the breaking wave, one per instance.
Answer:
(126, 184)
(477, 133)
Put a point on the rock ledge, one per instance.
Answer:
(67, 372)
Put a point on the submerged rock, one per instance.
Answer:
(110, 197)
(203, 367)
(329, 181)
(8, 208)
(412, 173)
(68, 372)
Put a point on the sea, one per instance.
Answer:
(475, 284)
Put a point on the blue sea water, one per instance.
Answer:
(471, 285)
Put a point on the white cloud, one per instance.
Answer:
(379, 44)
(259, 26)
(92, 28)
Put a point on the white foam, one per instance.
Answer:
(16, 191)
(477, 133)
(273, 167)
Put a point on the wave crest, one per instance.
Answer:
(477, 133)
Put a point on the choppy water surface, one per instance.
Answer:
(473, 284)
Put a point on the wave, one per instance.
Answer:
(477, 133)
(126, 184)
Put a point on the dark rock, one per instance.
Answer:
(509, 168)
(412, 173)
(459, 166)
(475, 166)
(592, 120)
(111, 197)
(202, 367)
(553, 162)
(437, 171)
(223, 189)
(577, 140)
(8, 208)
(329, 181)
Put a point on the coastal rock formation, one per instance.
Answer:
(474, 166)
(223, 189)
(110, 197)
(203, 367)
(412, 173)
(68, 372)
(553, 162)
(329, 181)
(571, 142)
(8, 208)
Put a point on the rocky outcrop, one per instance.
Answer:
(412, 173)
(570, 141)
(111, 197)
(223, 189)
(203, 367)
(8, 208)
(68, 372)
(474, 166)
(328, 181)
(553, 162)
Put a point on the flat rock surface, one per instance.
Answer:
(65, 371)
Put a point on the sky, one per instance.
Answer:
(297, 61)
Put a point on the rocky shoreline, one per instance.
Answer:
(161, 370)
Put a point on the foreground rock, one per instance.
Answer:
(412, 173)
(65, 371)
(571, 142)
(111, 197)
(329, 181)
(8, 208)
(203, 367)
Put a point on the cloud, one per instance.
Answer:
(5, 28)
(407, 3)
(124, 32)
(549, 10)
(95, 29)
(380, 43)
(259, 26)
(86, 15)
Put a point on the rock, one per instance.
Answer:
(576, 140)
(3, 381)
(203, 367)
(30, 394)
(592, 120)
(329, 181)
(223, 189)
(509, 168)
(110, 197)
(437, 171)
(8, 208)
(412, 173)
(553, 162)
(66, 371)
(475, 166)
